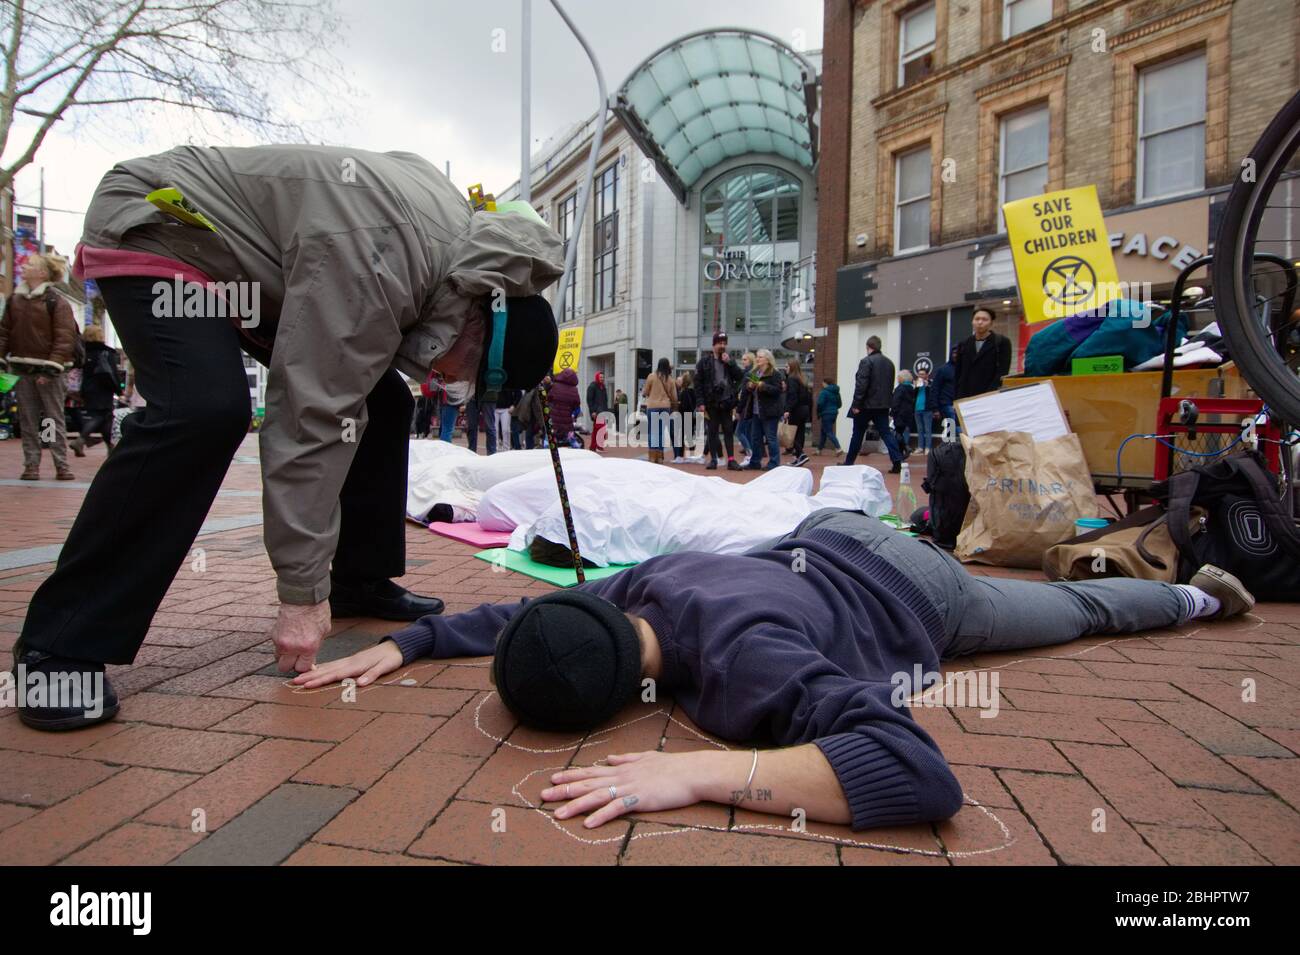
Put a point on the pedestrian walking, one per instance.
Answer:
(798, 408)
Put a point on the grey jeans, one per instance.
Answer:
(990, 613)
(38, 404)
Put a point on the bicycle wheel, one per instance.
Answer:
(1251, 293)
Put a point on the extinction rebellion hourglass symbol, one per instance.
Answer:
(1069, 280)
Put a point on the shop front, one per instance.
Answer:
(921, 305)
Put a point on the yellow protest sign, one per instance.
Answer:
(566, 356)
(1062, 253)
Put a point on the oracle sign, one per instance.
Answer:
(724, 270)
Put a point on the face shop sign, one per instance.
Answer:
(718, 270)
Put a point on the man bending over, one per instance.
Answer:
(796, 644)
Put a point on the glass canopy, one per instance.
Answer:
(716, 94)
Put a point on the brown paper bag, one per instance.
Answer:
(1024, 497)
(785, 435)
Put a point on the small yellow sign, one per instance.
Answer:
(1062, 253)
(566, 356)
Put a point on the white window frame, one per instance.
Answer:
(1143, 137)
(1003, 171)
(1006, 19)
(903, 57)
(898, 205)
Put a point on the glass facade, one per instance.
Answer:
(605, 239)
(748, 250)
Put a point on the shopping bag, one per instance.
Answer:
(785, 435)
(1025, 497)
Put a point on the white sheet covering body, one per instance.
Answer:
(443, 473)
(627, 511)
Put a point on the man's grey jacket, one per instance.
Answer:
(364, 261)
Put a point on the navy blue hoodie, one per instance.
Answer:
(810, 661)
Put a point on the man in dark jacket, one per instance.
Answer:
(983, 359)
(825, 664)
(944, 385)
(717, 381)
(597, 405)
(872, 388)
(597, 397)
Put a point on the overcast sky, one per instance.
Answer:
(429, 82)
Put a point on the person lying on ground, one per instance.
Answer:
(804, 643)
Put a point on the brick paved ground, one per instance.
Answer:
(1147, 736)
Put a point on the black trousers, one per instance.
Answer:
(719, 418)
(800, 421)
(97, 421)
(143, 510)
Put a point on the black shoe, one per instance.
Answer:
(733, 466)
(74, 693)
(712, 465)
(897, 468)
(382, 599)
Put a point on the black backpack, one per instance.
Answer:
(945, 482)
(1245, 530)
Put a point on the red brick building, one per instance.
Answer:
(935, 112)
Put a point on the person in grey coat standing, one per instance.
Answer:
(337, 268)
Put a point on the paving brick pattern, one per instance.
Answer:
(1145, 750)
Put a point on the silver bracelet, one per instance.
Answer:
(743, 793)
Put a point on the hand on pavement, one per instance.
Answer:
(366, 665)
(641, 782)
(297, 634)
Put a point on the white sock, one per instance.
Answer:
(1196, 602)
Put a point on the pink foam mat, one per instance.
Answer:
(471, 533)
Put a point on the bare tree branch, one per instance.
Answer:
(239, 62)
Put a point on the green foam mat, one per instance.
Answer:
(559, 576)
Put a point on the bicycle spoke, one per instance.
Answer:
(1281, 328)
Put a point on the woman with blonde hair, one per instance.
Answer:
(660, 393)
(768, 388)
(38, 343)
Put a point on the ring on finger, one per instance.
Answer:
(613, 792)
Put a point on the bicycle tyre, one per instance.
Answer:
(1250, 344)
